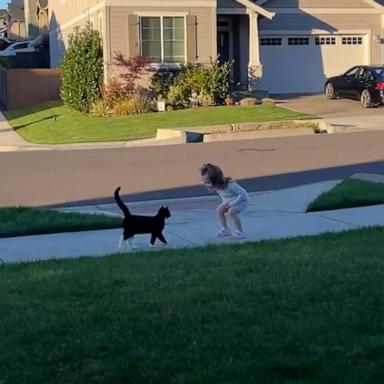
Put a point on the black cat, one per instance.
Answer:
(136, 224)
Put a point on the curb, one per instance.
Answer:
(242, 131)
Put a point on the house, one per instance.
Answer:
(15, 20)
(36, 18)
(282, 46)
(3, 23)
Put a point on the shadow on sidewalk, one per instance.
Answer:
(255, 184)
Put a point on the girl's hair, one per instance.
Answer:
(215, 175)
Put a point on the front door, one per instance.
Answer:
(223, 46)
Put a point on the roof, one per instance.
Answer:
(16, 9)
(373, 3)
(42, 4)
(251, 5)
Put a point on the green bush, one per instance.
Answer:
(209, 82)
(161, 81)
(217, 77)
(4, 62)
(82, 69)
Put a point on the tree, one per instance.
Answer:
(82, 69)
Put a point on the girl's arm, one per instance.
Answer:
(242, 194)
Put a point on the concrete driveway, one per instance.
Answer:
(343, 114)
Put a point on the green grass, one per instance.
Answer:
(349, 193)
(299, 311)
(52, 123)
(21, 221)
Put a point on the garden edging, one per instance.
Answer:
(243, 131)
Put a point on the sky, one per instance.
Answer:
(3, 4)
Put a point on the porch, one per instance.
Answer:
(238, 41)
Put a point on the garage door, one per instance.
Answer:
(300, 64)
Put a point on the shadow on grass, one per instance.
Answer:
(53, 117)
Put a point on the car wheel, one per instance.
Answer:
(330, 91)
(366, 99)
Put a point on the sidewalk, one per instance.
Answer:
(271, 215)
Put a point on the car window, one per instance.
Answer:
(352, 72)
(361, 73)
(379, 72)
(369, 76)
(21, 46)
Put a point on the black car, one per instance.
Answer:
(364, 83)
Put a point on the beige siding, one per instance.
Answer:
(317, 4)
(66, 15)
(206, 29)
(66, 12)
(329, 22)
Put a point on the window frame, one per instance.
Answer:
(161, 16)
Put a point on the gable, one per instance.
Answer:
(317, 3)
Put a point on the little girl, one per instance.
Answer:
(234, 198)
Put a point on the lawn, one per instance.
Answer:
(305, 310)
(349, 193)
(52, 123)
(21, 221)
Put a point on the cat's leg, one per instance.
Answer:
(162, 238)
(128, 237)
(153, 239)
(130, 242)
(121, 242)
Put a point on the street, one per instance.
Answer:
(43, 178)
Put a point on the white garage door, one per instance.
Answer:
(300, 64)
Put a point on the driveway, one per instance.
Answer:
(343, 114)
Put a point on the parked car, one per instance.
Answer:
(4, 43)
(13, 49)
(364, 83)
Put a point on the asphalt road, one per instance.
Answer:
(44, 178)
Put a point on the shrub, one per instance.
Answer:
(206, 100)
(229, 101)
(161, 81)
(82, 69)
(248, 101)
(4, 62)
(178, 96)
(133, 105)
(100, 108)
(209, 82)
(217, 77)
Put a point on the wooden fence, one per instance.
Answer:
(26, 87)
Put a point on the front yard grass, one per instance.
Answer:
(53, 123)
(349, 193)
(22, 221)
(305, 310)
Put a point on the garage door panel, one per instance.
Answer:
(301, 65)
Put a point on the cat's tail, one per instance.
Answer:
(119, 202)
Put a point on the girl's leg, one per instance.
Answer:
(236, 219)
(221, 210)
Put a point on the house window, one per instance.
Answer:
(298, 41)
(325, 40)
(352, 40)
(270, 41)
(163, 38)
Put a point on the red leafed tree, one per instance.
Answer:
(130, 71)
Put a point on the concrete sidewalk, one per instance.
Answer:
(271, 215)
